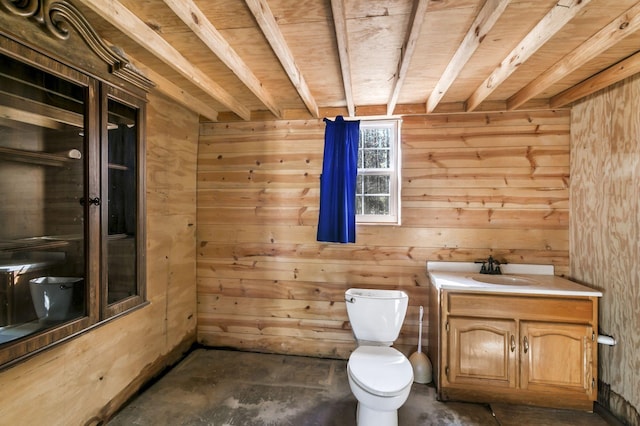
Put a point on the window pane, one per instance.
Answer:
(376, 159)
(376, 185)
(122, 207)
(375, 146)
(376, 138)
(42, 169)
(383, 158)
(376, 205)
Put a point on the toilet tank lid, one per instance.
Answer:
(376, 294)
(380, 370)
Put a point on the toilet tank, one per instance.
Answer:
(376, 316)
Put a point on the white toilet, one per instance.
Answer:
(380, 376)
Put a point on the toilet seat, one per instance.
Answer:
(380, 370)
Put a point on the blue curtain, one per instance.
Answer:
(337, 222)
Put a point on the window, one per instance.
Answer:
(378, 184)
(71, 181)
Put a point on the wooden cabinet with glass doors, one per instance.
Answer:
(71, 188)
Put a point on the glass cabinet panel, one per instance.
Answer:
(122, 189)
(42, 205)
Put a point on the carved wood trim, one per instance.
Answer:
(59, 17)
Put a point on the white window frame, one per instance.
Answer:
(393, 218)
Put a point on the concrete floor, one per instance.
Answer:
(218, 387)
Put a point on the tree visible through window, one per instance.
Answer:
(378, 172)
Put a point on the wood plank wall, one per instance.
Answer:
(86, 379)
(605, 232)
(473, 185)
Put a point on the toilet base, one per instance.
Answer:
(375, 410)
(365, 416)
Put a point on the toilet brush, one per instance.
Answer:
(419, 361)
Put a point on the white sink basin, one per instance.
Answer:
(503, 279)
(517, 278)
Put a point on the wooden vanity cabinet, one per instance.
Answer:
(523, 349)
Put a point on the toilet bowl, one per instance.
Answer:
(52, 297)
(380, 377)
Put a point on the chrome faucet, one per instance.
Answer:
(490, 266)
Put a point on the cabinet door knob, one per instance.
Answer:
(525, 344)
(95, 201)
(513, 343)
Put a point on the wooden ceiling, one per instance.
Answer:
(286, 59)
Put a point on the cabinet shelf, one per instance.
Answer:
(113, 166)
(41, 158)
(31, 244)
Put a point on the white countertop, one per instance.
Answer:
(537, 281)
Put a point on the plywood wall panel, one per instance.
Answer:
(261, 161)
(262, 197)
(260, 215)
(415, 238)
(268, 326)
(542, 178)
(384, 255)
(461, 138)
(605, 232)
(473, 185)
(362, 274)
(282, 289)
(317, 346)
(501, 218)
(509, 198)
(298, 179)
(487, 157)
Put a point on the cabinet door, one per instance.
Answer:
(123, 188)
(45, 218)
(557, 356)
(481, 351)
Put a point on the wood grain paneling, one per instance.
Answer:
(472, 185)
(605, 231)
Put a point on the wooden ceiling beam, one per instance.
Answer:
(267, 22)
(169, 89)
(487, 17)
(624, 25)
(549, 25)
(417, 18)
(443, 108)
(613, 74)
(197, 21)
(340, 24)
(126, 21)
